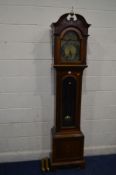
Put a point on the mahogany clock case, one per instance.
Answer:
(70, 47)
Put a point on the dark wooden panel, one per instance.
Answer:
(68, 148)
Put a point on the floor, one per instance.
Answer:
(95, 165)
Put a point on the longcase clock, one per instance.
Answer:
(70, 35)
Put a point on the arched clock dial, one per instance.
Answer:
(70, 47)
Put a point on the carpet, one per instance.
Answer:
(95, 165)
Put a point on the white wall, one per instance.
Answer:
(26, 77)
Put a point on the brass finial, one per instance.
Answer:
(71, 15)
(72, 11)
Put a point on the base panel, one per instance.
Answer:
(78, 163)
(67, 149)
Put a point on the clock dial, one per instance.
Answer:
(70, 47)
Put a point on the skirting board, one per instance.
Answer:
(100, 150)
(37, 155)
(23, 156)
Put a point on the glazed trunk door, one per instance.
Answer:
(68, 102)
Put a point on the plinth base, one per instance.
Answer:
(67, 149)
